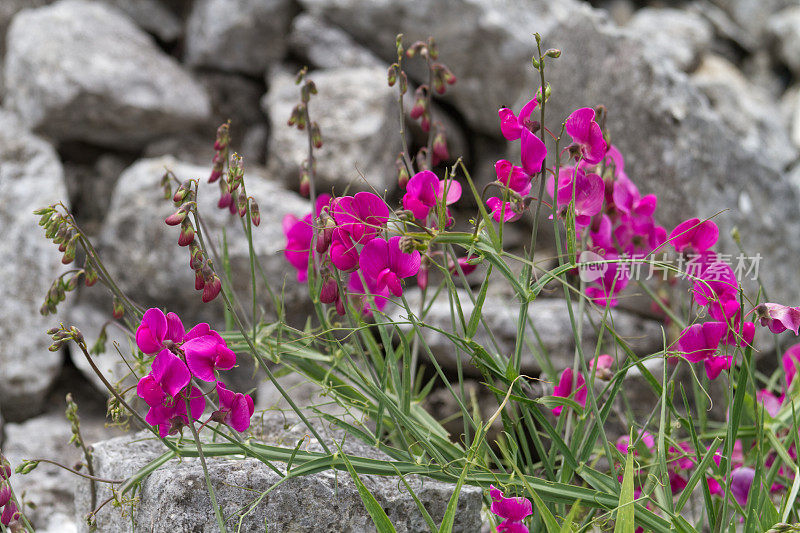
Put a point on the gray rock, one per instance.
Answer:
(487, 45)
(80, 70)
(553, 339)
(9, 8)
(174, 497)
(676, 146)
(753, 15)
(676, 34)
(784, 27)
(326, 46)
(746, 109)
(238, 36)
(90, 186)
(153, 17)
(357, 114)
(31, 177)
(142, 253)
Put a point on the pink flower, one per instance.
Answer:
(425, 190)
(207, 353)
(156, 328)
(791, 360)
(507, 211)
(512, 510)
(613, 281)
(694, 235)
(10, 514)
(586, 133)
(383, 263)
(362, 215)
(682, 458)
(299, 234)
(715, 365)
(532, 152)
(464, 264)
(171, 415)
(778, 317)
(513, 177)
(167, 378)
(646, 438)
(512, 126)
(564, 389)
(343, 252)
(716, 281)
(771, 403)
(700, 341)
(603, 363)
(356, 290)
(741, 482)
(235, 408)
(588, 192)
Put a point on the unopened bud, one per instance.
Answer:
(402, 172)
(298, 117)
(76, 334)
(177, 217)
(211, 289)
(392, 76)
(27, 466)
(340, 306)
(182, 192)
(118, 309)
(5, 494)
(225, 200)
(399, 44)
(241, 205)
(305, 185)
(187, 233)
(69, 252)
(422, 158)
(425, 123)
(51, 331)
(56, 346)
(440, 152)
(199, 282)
(433, 49)
(90, 275)
(555, 53)
(307, 90)
(72, 284)
(403, 83)
(325, 236)
(45, 218)
(422, 277)
(417, 48)
(10, 514)
(255, 214)
(329, 292)
(316, 135)
(223, 137)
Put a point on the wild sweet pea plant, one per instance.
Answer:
(557, 463)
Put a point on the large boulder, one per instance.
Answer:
(244, 36)
(358, 115)
(174, 497)
(327, 46)
(80, 70)
(784, 27)
(143, 255)
(674, 34)
(31, 176)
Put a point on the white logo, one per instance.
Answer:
(588, 267)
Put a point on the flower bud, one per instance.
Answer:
(340, 306)
(90, 275)
(199, 283)
(72, 284)
(329, 292)
(555, 53)
(305, 185)
(298, 117)
(392, 76)
(440, 152)
(422, 276)
(10, 514)
(403, 83)
(407, 244)
(255, 214)
(422, 158)
(76, 334)
(69, 252)
(177, 217)
(325, 235)
(182, 192)
(51, 331)
(425, 123)
(418, 47)
(5, 494)
(402, 172)
(211, 289)
(187, 233)
(433, 49)
(399, 44)
(225, 200)
(45, 218)
(316, 135)
(119, 309)
(241, 205)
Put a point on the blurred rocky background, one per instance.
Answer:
(98, 97)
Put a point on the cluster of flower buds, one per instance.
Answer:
(62, 335)
(10, 514)
(301, 120)
(182, 357)
(59, 229)
(205, 279)
(220, 152)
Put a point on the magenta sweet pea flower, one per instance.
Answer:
(512, 126)
(355, 289)
(10, 514)
(343, 252)
(587, 190)
(741, 483)
(564, 389)
(299, 234)
(513, 177)
(791, 362)
(700, 341)
(586, 134)
(385, 264)
(716, 282)
(532, 152)
(603, 364)
(167, 378)
(505, 211)
(207, 353)
(647, 439)
(156, 328)
(235, 408)
(778, 317)
(613, 281)
(694, 235)
(715, 365)
(424, 190)
(464, 266)
(512, 510)
(172, 415)
(362, 215)
(771, 403)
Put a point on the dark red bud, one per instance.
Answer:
(176, 218)
(422, 277)
(225, 200)
(211, 289)
(241, 205)
(187, 234)
(329, 292)
(119, 309)
(199, 283)
(255, 215)
(305, 186)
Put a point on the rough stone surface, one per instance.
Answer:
(80, 70)
(487, 45)
(174, 497)
(753, 15)
(142, 253)
(676, 146)
(238, 36)
(9, 8)
(326, 46)
(675, 34)
(550, 317)
(357, 114)
(784, 26)
(152, 16)
(30, 177)
(746, 108)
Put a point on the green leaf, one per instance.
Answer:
(626, 510)
(376, 512)
(547, 517)
(452, 505)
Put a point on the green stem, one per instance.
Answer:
(211, 494)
